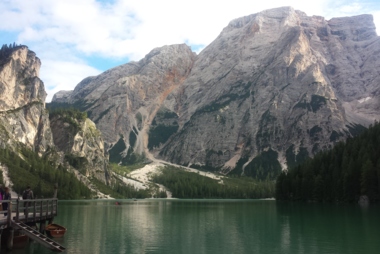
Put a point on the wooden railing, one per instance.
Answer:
(30, 210)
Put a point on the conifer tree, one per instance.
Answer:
(339, 175)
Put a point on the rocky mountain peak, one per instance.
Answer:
(268, 20)
(62, 96)
(277, 82)
(22, 101)
(356, 28)
(19, 75)
(157, 62)
(124, 100)
(275, 86)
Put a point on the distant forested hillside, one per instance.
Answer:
(185, 184)
(342, 174)
(27, 168)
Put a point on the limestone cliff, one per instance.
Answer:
(23, 118)
(273, 86)
(124, 100)
(277, 83)
(81, 143)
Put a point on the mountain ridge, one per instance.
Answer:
(277, 80)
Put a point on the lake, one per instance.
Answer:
(215, 226)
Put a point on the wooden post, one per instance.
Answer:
(18, 210)
(42, 226)
(10, 238)
(55, 190)
(48, 208)
(34, 210)
(41, 211)
(26, 211)
(55, 202)
(9, 215)
(52, 208)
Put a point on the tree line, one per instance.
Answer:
(69, 112)
(27, 168)
(6, 51)
(184, 184)
(343, 174)
(121, 190)
(72, 116)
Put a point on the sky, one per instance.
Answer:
(79, 38)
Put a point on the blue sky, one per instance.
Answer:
(79, 38)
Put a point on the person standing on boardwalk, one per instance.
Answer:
(27, 194)
(7, 196)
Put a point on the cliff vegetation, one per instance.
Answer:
(25, 168)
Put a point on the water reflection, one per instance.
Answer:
(328, 228)
(151, 226)
(219, 226)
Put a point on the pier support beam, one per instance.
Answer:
(1, 234)
(9, 238)
(42, 226)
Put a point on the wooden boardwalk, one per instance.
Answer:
(22, 213)
(32, 210)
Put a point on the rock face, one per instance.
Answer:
(24, 119)
(124, 100)
(61, 96)
(81, 143)
(277, 81)
(274, 85)
(22, 101)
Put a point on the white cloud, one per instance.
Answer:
(376, 20)
(130, 28)
(63, 75)
(64, 32)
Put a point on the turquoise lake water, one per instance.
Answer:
(215, 226)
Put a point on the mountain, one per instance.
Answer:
(22, 101)
(272, 89)
(67, 140)
(277, 83)
(123, 101)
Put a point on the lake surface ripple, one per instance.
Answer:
(215, 226)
